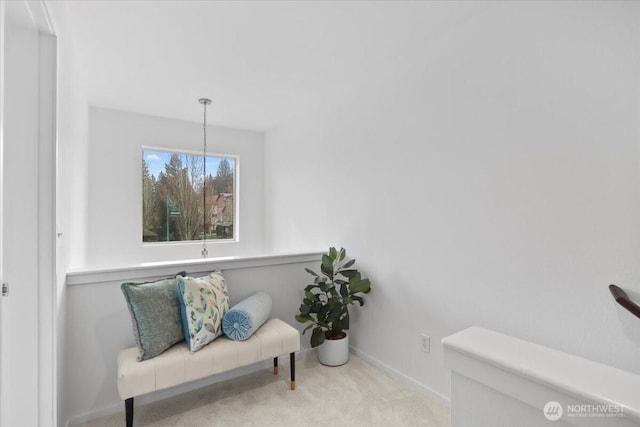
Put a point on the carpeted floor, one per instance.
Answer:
(356, 394)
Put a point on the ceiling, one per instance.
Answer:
(260, 62)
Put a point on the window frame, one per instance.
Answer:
(236, 198)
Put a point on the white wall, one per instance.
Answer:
(114, 234)
(494, 184)
(72, 177)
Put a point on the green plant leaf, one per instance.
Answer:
(344, 290)
(357, 298)
(323, 325)
(324, 287)
(304, 309)
(302, 319)
(317, 306)
(308, 327)
(342, 254)
(358, 285)
(317, 337)
(333, 254)
(334, 314)
(322, 313)
(313, 273)
(327, 265)
(349, 274)
(348, 264)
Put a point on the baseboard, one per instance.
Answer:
(80, 419)
(441, 398)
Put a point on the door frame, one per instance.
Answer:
(3, 388)
(46, 251)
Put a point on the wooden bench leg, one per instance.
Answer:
(128, 409)
(275, 366)
(292, 358)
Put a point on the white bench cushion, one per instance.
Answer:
(177, 365)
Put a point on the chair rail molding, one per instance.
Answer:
(193, 266)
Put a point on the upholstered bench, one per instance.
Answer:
(178, 366)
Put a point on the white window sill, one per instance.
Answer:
(151, 270)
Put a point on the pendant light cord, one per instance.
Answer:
(205, 252)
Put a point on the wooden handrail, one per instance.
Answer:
(622, 298)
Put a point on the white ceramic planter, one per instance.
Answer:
(334, 352)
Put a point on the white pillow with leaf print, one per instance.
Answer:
(204, 301)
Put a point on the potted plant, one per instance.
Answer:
(326, 305)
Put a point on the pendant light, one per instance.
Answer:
(205, 252)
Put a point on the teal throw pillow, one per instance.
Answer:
(155, 314)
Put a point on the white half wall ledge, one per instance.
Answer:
(152, 270)
(498, 380)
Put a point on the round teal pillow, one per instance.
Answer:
(244, 318)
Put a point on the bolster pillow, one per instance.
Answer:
(244, 318)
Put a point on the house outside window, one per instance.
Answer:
(186, 197)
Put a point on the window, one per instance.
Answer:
(176, 186)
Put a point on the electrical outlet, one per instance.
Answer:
(426, 343)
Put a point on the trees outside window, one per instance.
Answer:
(180, 202)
